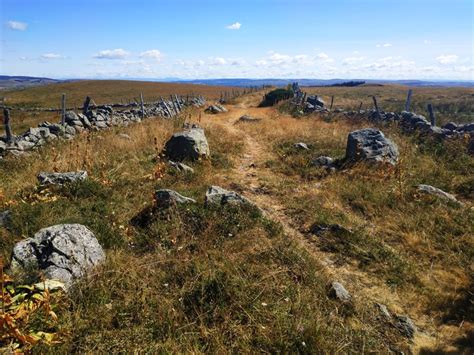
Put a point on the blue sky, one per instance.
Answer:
(384, 39)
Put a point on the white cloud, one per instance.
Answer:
(447, 59)
(352, 60)
(323, 57)
(118, 53)
(219, 61)
(384, 45)
(52, 56)
(234, 26)
(17, 26)
(152, 54)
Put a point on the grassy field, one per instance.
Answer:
(102, 91)
(450, 104)
(229, 280)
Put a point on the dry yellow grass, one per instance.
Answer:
(413, 254)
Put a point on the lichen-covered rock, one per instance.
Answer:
(216, 195)
(214, 109)
(166, 198)
(431, 190)
(338, 291)
(61, 178)
(62, 252)
(406, 326)
(190, 144)
(181, 167)
(370, 145)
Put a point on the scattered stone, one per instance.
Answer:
(61, 178)
(124, 136)
(406, 326)
(166, 198)
(301, 145)
(321, 229)
(370, 145)
(62, 252)
(216, 195)
(338, 291)
(315, 100)
(190, 144)
(431, 190)
(248, 118)
(324, 162)
(384, 312)
(215, 109)
(181, 167)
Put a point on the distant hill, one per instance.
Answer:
(321, 82)
(16, 82)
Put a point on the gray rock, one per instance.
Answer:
(71, 116)
(339, 292)
(431, 190)
(370, 145)
(216, 195)
(166, 198)
(70, 130)
(62, 252)
(124, 136)
(406, 326)
(384, 312)
(315, 100)
(451, 126)
(181, 167)
(85, 121)
(61, 178)
(301, 145)
(322, 228)
(214, 109)
(248, 118)
(190, 144)
(3, 147)
(323, 162)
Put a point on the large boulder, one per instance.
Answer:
(190, 144)
(61, 178)
(214, 109)
(370, 145)
(62, 252)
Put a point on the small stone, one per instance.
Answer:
(301, 145)
(406, 326)
(321, 229)
(384, 311)
(216, 195)
(338, 291)
(181, 167)
(431, 190)
(124, 136)
(61, 178)
(248, 118)
(166, 198)
(5, 217)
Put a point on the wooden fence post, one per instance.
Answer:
(376, 107)
(332, 101)
(63, 108)
(360, 107)
(432, 115)
(85, 107)
(408, 101)
(6, 123)
(142, 105)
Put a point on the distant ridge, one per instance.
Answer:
(17, 82)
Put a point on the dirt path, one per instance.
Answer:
(250, 173)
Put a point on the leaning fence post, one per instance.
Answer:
(6, 123)
(360, 107)
(142, 105)
(63, 108)
(332, 101)
(376, 107)
(408, 101)
(432, 115)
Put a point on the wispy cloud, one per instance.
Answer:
(384, 45)
(152, 54)
(234, 26)
(447, 58)
(52, 56)
(17, 26)
(118, 53)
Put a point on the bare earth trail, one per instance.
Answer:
(251, 175)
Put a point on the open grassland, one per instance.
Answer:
(450, 104)
(199, 279)
(101, 91)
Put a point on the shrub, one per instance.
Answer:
(275, 96)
